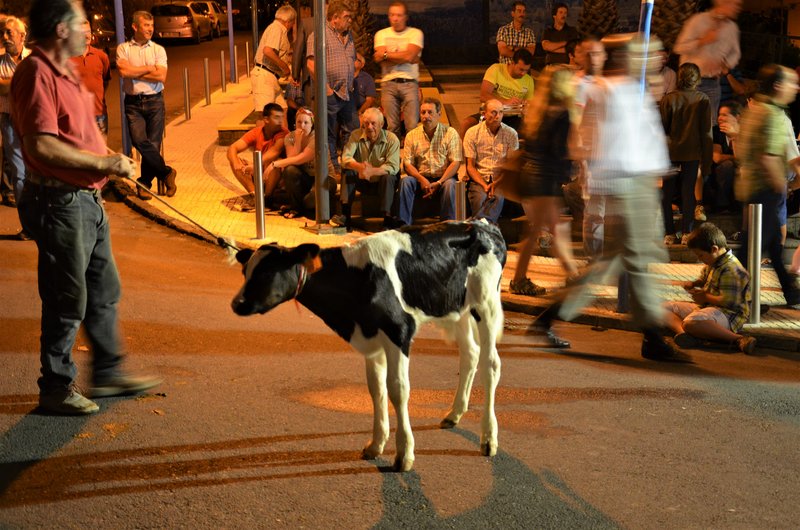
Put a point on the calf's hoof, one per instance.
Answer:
(403, 464)
(371, 451)
(488, 448)
(447, 423)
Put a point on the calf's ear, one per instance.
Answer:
(305, 252)
(243, 256)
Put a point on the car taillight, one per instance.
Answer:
(187, 21)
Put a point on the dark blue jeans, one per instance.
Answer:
(683, 181)
(385, 188)
(342, 118)
(771, 241)
(78, 281)
(146, 125)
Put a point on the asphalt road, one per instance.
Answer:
(260, 421)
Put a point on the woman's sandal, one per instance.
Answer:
(291, 214)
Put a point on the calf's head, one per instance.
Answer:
(272, 275)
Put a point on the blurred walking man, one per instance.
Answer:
(621, 117)
(62, 208)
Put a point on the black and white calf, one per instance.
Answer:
(376, 292)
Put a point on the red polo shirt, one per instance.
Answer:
(95, 71)
(46, 100)
(255, 138)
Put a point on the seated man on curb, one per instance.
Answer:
(511, 84)
(486, 146)
(721, 296)
(370, 159)
(268, 140)
(431, 157)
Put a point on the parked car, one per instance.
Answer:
(218, 16)
(182, 19)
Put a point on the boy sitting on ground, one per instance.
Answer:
(721, 296)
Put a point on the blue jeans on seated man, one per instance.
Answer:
(78, 281)
(384, 185)
(483, 206)
(409, 189)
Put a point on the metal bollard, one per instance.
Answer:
(461, 200)
(247, 58)
(754, 260)
(187, 105)
(258, 180)
(206, 81)
(222, 70)
(236, 63)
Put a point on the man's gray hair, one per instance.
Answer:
(12, 20)
(374, 113)
(138, 15)
(286, 14)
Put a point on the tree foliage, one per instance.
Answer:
(669, 17)
(599, 18)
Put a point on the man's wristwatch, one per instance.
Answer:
(385, 54)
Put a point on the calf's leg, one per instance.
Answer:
(376, 382)
(398, 385)
(468, 362)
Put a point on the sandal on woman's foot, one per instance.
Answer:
(291, 214)
(526, 287)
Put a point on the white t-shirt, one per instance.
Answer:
(397, 42)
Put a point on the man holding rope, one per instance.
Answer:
(62, 209)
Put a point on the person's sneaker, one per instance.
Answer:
(69, 401)
(700, 213)
(339, 220)
(746, 345)
(669, 239)
(123, 385)
(684, 340)
(657, 349)
(525, 287)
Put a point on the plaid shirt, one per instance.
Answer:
(519, 39)
(431, 157)
(728, 278)
(487, 149)
(340, 60)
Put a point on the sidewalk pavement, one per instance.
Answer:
(210, 195)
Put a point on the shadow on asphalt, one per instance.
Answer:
(518, 497)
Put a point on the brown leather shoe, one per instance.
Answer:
(142, 194)
(169, 181)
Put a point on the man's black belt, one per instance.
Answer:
(403, 80)
(142, 97)
(270, 70)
